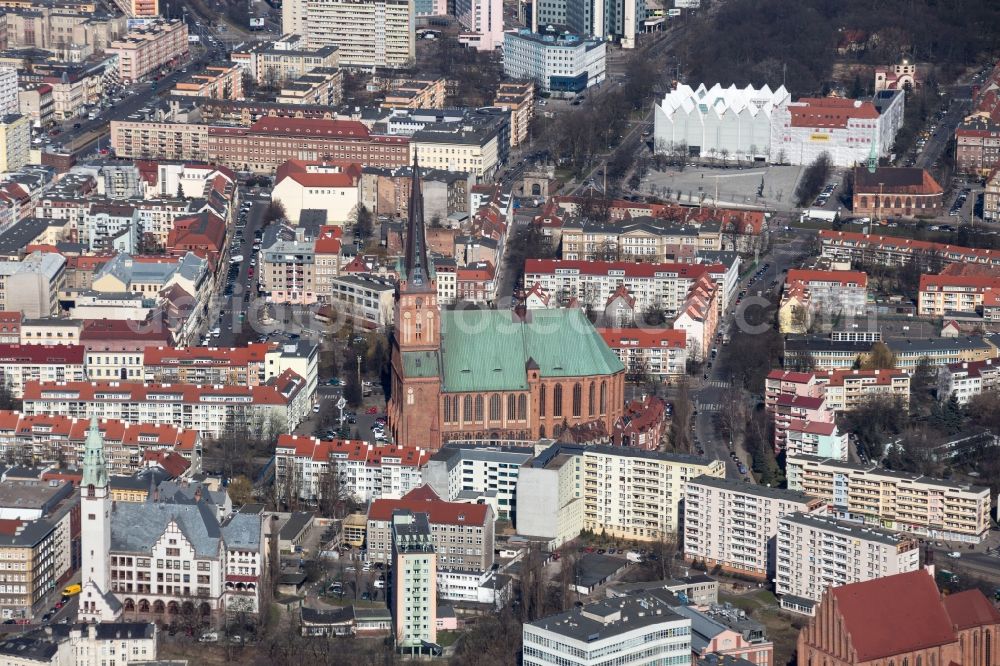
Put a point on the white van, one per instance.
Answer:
(236, 259)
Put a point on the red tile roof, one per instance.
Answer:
(172, 463)
(207, 356)
(838, 377)
(438, 511)
(893, 615)
(15, 354)
(319, 127)
(810, 277)
(965, 282)
(800, 401)
(812, 427)
(791, 376)
(353, 450)
(303, 172)
(830, 112)
(278, 391)
(638, 338)
(970, 609)
(856, 239)
(113, 430)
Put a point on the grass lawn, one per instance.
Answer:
(762, 606)
(448, 638)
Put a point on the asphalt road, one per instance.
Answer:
(938, 140)
(709, 394)
(229, 308)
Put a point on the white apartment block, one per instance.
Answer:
(366, 471)
(467, 472)
(276, 407)
(564, 65)
(47, 363)
(9, 102)
(967, 379)
(932, 508)
(414, 580)
(816, 552)
(550, 487)
(734, 523)
(665, 285)
(635, 494)
(833, 292)
(639, 629)
(849, 389)
(368, 33)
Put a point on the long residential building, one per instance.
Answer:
(552, 504)
(934, 508)
(966, 380)
(253, 365)
(895, 251)
(635, 494)
(143, 51)
(734, 524)
(940, 295)
(263, 146)
(366, 472)
(664, 286)
(48, 438)
(816, 552)
(278, 406)
(639, 238)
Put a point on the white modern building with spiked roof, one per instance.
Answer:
(719, 123)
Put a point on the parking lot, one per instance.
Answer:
(737, 185)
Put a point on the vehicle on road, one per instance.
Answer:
(72, 590)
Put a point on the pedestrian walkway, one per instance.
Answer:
(709, 407)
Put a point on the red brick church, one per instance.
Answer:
(490, 374)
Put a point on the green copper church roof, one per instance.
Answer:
(487, 350)
(421, 364)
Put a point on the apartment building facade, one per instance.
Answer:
(48, 438)
(368, 33)
(816, 438)
(967, 379)
(922, 505)
(817, 552)
(564, 65)
(652, 285)
(462, 533)
(897, 251)
(635, 494)
(640, 238)
(660, 353)
(845, 390)
(414, 580)
(146, 49)
(734, 524)
(278, 406)
(833, 292)
(365, 471)
(939, 295)
(263, 146)
(20, 364)
(468, 472)
(551, 493)
(15, 141)
(518, 98)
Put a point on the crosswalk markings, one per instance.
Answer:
(709, 407)
(719, 383)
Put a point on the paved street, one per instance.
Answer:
(709, 394)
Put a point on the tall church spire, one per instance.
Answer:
(417, 270)
(95, 467)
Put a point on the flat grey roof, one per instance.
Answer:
(855, 530)
(735, 485)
